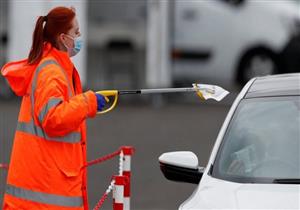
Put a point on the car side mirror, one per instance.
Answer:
(181, 166)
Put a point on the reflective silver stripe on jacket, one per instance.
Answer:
(37, 71)
(46, 198)
(51, 103)
(31, 128)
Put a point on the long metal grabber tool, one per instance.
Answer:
(153, 91)
(203, 91)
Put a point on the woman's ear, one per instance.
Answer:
(61, 38)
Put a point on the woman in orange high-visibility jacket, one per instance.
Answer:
(49, 151)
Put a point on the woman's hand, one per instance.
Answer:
(100, 101)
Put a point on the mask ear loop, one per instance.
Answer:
(71, 37)
(65, 45)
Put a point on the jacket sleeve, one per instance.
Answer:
(55, 111)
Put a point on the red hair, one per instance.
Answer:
(57, 21)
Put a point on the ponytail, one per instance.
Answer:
(36, 50)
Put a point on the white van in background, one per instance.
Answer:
(229, 41)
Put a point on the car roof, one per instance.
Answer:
(275, 85)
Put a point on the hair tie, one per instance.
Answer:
(45, 18)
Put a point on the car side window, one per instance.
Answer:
(262, 141)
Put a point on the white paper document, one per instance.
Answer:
(211, 91)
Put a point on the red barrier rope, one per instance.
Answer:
(101, 201)
(92, 162)
(102, 159)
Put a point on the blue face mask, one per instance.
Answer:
(77, 46)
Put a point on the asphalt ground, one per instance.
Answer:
(152, 130)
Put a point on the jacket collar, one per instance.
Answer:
(61, 57)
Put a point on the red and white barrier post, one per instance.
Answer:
(127, 152)
(118, 192)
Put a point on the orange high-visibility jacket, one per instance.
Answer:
(49, 148)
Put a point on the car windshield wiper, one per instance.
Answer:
(287, 181)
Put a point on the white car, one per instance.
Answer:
(255, 162)
(227, 41)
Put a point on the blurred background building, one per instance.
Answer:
(158, 43)
(140, 43)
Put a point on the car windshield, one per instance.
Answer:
(262, 142)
